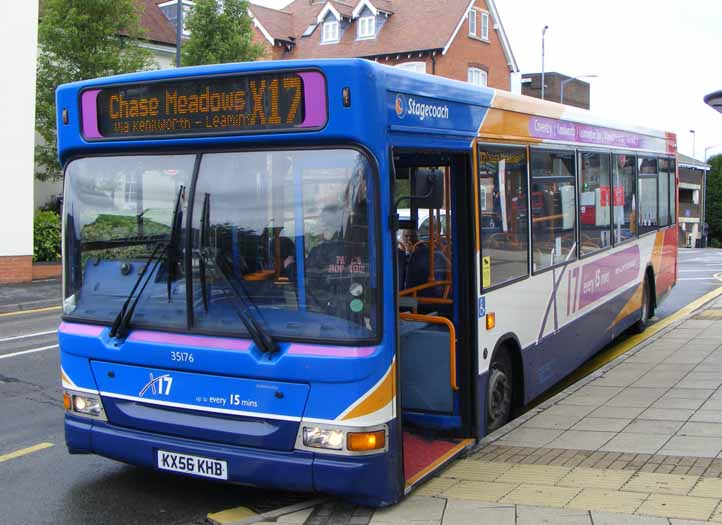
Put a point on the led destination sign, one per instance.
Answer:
(230, 104)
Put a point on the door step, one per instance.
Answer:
(423, 455)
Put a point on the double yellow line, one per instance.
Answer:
(24, 451)
(35, 311)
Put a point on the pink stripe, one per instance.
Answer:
(88, 102)
(144, 336)
(330, 351)
(80, 329)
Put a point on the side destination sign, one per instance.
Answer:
(282, 101)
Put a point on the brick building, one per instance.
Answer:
(692, 203)
(459, 39)
(576, 91)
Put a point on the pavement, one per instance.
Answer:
(635, 440)
(29, 296)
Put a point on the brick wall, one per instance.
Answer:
(16, 269)
(466, 51)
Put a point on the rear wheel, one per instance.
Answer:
(644, 316)
(500, 391)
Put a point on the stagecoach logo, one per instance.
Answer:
(157, 385)
(422, 110)
(400, 106)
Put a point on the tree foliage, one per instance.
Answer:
(78, 40)
(219, 33)
(713, 209)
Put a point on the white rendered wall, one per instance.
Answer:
(18, 54)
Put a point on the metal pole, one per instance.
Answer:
(542, 76)
(564, 83)
(694, 143)
(178, 32)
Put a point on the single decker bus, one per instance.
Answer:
(335, 276)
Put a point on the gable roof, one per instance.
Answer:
(278, 23)
(154, 23)
(432, 22)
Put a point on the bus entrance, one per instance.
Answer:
(435, 323)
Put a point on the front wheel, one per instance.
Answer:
(644, 316)
(499, 391)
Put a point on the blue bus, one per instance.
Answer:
(249, 297)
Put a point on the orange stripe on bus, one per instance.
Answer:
(377, 399)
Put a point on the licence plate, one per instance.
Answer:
(209, 468)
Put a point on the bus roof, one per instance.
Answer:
(384, 105)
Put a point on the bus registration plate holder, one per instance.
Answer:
(187, 464)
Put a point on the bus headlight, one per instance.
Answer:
(83, 404)
(323, 438)
(341, 440)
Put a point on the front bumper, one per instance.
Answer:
(369, 480)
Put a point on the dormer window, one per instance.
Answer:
(170, 10)
(330, 32)
(479, 24)
(367, 27)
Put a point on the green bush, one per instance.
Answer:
(46, 231)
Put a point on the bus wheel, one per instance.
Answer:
(641, 324)
(500, 391)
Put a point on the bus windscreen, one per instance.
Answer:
(251, 103)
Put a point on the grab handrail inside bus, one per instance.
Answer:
(433, 319)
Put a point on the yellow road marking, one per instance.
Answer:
(625, 346)
(231, 515)
(24, 451)
(36, 310)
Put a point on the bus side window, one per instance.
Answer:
(647, 187)
(624, 170)
(594, 202)
(503, 214)
(553, 208)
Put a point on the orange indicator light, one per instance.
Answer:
(66, 401)
(361, 441)
(490, 320)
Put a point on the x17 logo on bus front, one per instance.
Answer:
(163, 384)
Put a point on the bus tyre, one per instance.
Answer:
(641, 324)
(500, 391)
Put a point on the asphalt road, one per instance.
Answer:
(50, 486)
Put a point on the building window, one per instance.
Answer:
(367, 27)
(170, 10)
(472, 22)
(330, 32)
(553, 208)
(478, 24)
(503, 214)
(484, 26)
(416, 67)
(477, 76)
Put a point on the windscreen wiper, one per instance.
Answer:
(122, 320)
(263, 340)
(172, 247)
(115, 328)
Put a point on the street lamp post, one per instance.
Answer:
(564, 83)
(694, 143)
(544, 31)
(178, 32)
(709, 148)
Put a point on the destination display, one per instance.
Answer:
(216, 105)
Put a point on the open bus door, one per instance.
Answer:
(436, 322)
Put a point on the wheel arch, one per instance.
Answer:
(509, 343)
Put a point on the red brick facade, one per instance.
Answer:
(16, 269)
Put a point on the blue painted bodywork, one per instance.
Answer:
(259, 448)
